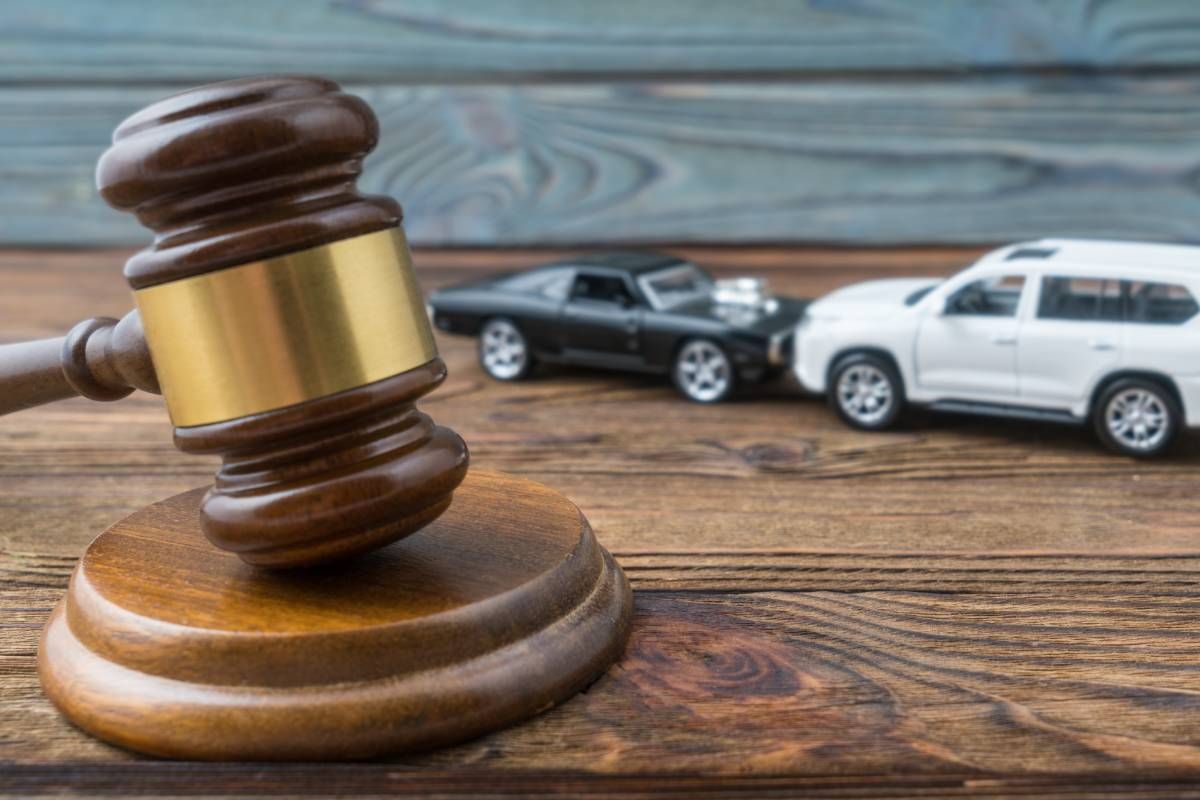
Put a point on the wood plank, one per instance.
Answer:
(339, 781)
(906, 161)
(816, 684)
(125, 41)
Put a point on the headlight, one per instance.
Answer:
(779, 349)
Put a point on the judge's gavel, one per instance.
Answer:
(282, 322)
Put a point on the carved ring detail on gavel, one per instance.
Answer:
(100, 358)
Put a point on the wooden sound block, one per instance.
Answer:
(502, 607)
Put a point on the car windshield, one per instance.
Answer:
(673, 286)
(919, 295)
(554, 282)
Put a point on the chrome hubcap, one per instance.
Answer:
(703, 371)
(865, 393)
(503, 349)
(1137, 418)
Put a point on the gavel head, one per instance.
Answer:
(283, 318)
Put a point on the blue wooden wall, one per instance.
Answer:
(525, 122)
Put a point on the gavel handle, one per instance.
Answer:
(100, 358)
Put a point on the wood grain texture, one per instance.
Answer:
(124, 41)
(973, 159)
(534, 122)
(962, 608)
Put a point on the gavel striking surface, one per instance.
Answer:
(500, 608)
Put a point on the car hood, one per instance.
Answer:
(870, 299)
(784, 313)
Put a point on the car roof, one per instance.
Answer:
(633, 262)
(1077, 256)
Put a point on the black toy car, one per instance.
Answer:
(644, 312)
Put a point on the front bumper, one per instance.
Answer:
(804, 360)
(1189, 393)
(755, 360)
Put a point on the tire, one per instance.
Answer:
(703, 372)
(866, 392)
(1137, 417)
(503, 350)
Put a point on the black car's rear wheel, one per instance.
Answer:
(503, 350)
(703, 372)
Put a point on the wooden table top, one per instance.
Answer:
(962, 607)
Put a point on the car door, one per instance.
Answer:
(1073, 337)
(967, 349)
(601, 321)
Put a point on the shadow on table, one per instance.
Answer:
(785, 391)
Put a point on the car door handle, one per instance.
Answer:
(1003, 338)
(1101, 345)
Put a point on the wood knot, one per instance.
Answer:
(770, 456)
(716, 676)
(687, 663)
(773, 457)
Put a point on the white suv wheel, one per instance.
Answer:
(866, 392)
(1137, 417)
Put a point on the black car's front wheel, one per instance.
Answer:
(703, 372)
(504, 351)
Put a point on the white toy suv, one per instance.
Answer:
(1058, 329)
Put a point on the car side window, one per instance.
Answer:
(1080, 299)
(553, 283)
(997, 296)
(1159, 303)
(601, 288)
